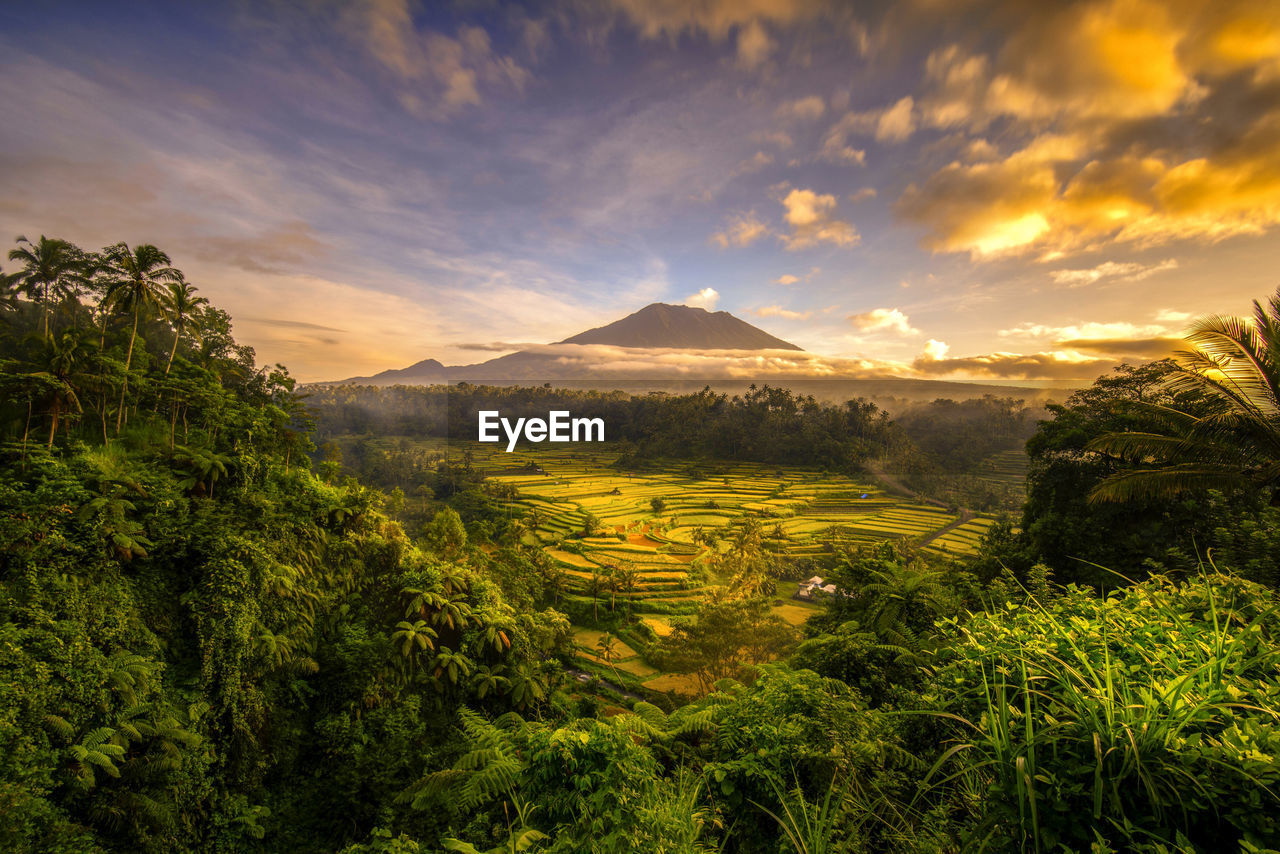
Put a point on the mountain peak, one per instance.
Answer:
(683, 327)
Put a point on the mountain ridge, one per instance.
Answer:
(658, 325)
(661, 324)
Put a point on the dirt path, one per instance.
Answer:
(892, 484)
(616, 688)
(965, 515)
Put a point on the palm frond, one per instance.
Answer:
(1168, 482)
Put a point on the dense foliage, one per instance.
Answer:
(770, 425)
(212, 641)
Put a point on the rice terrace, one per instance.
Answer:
(644, 540)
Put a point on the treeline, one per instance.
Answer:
(770, 425)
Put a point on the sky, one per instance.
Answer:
(958, 190)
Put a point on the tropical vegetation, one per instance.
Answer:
(215, 637)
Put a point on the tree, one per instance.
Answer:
(51, 268)
(181, 301)
(628, 581)
(595, 586)
(607, 647)
(416, 635)
(1233, 441)
(56, 381)
(724, 637)
(451, 664)
(135, 277)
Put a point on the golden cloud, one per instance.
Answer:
(884, 319)
(742, 230)
(1050, 365)
(1140, 121)
(812, 219)
(779, 311)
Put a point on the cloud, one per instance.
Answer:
(436, 74)
(755, 163)
(742, 230)
(786, 279)
(1084, 331)
(884, 319)
(806, 108)
(716, 18)
(1050, 365)
(811, 217)
(1172, 120)
(935, 350)
(836, 146)
(1130, 271)
(495, 346)
(778, 138)
(862, 195)
(1168, 315)
(897, 122)
(779, 311)
(1146, 348)
(290, 324)
(705, 298)
(754, 44)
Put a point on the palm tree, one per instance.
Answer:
(135, 279)
(628, 583)
(452, 613)
(56, 379)
(489, 680)
(9, 286)
(527, 686)
(451, 664)
(416, 634)
(201, 466)
(51, 269)
(594, 587)
(181, 302)
(607, 646)
(1233, 372)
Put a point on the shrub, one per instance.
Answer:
(1149, 717)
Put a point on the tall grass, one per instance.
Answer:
(1150, 717)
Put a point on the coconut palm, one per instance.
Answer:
(181, 301)
(628, 583)
(9, 288)
(57, 378)
(51, 270)
(1232, 441)
(595, 587)
(135, 278)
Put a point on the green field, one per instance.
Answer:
(802, 512)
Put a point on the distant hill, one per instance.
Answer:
(681, 327)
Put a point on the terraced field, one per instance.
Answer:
(801, 512)
(1008, 468)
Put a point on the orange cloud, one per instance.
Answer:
(812, 219)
